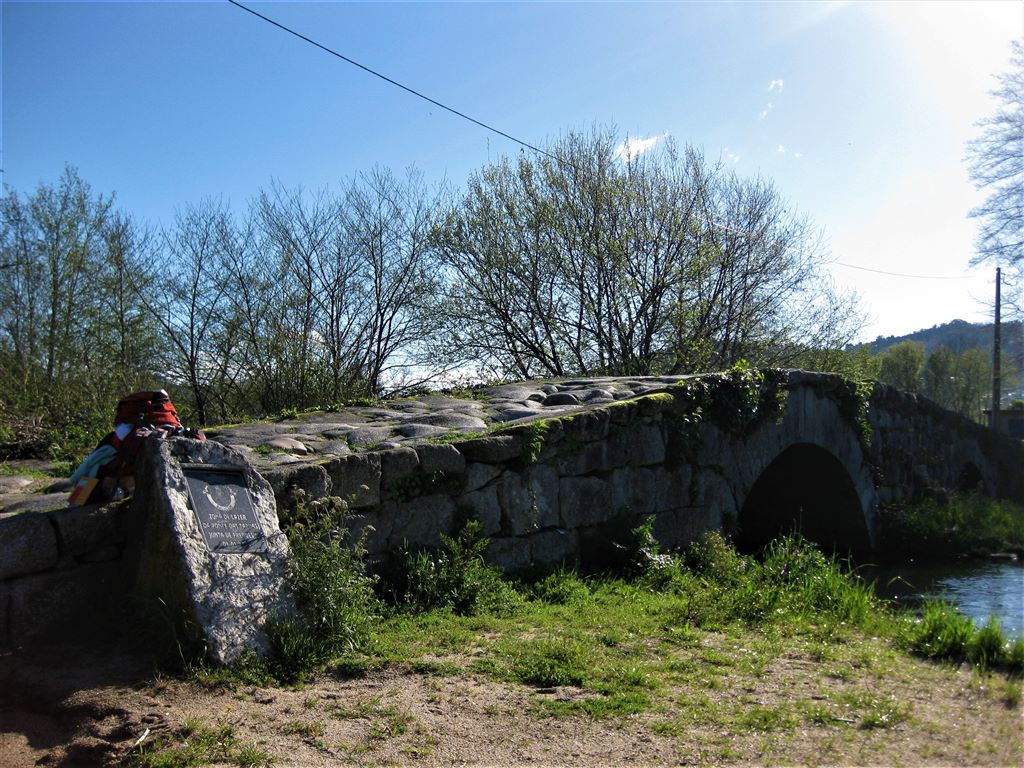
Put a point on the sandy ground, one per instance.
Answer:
(74, 706)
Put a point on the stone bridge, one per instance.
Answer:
(563, 469)
(556, 471)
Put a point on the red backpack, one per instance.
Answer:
(147, 413)
(147, 409)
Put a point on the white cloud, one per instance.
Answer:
(632, 148)
(798, 155)
(781, 149)
(731, 156)
(766, 111)
(776, 85)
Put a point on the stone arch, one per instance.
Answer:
(808, 490)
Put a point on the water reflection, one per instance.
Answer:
(978, 588)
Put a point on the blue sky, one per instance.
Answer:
(858, 111)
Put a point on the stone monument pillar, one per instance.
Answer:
(212, 557)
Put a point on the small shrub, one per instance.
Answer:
(941, 633)
(454, 576)
(1015, 656)
(716, 559)
(658, 571)
(251, 756)
(987, 646)
(1011, 694)
(334, 593)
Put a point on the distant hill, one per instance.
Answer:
(958, 336)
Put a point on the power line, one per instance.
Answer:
(745, 233)
(397, 84)
(902, 274)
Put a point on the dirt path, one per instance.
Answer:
(80, 707)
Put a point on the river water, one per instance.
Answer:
(979, 588)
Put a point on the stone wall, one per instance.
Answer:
(62, 573)
(544, 492)
(919, 448)
(569, 489)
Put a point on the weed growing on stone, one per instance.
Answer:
(335, 595)
(453, 576)
(533, 437)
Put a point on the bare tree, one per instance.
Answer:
(184, 293)
(996, 163)
(388, 226)
(319, 272)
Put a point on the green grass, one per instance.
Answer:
(196, 744)
(969, 524)
(707, 619)
(689, 638)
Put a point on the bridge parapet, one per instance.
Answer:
(920, 448)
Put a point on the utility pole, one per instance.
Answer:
(996, 360)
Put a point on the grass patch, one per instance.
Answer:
(962, 524)
(698, 638)
(612, 705)
(432, 668)
(764, 718)
(196, 744)
(57, 470)
(549, 662)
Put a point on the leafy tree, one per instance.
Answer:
(957, 381)
(972, 378)
(938, 377)
(901, 365)
(71, 332)
(587, 262)
(996, 163)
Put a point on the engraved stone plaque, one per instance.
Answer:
(220, 499)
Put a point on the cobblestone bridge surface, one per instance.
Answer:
(321, 436)
(415, 420)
